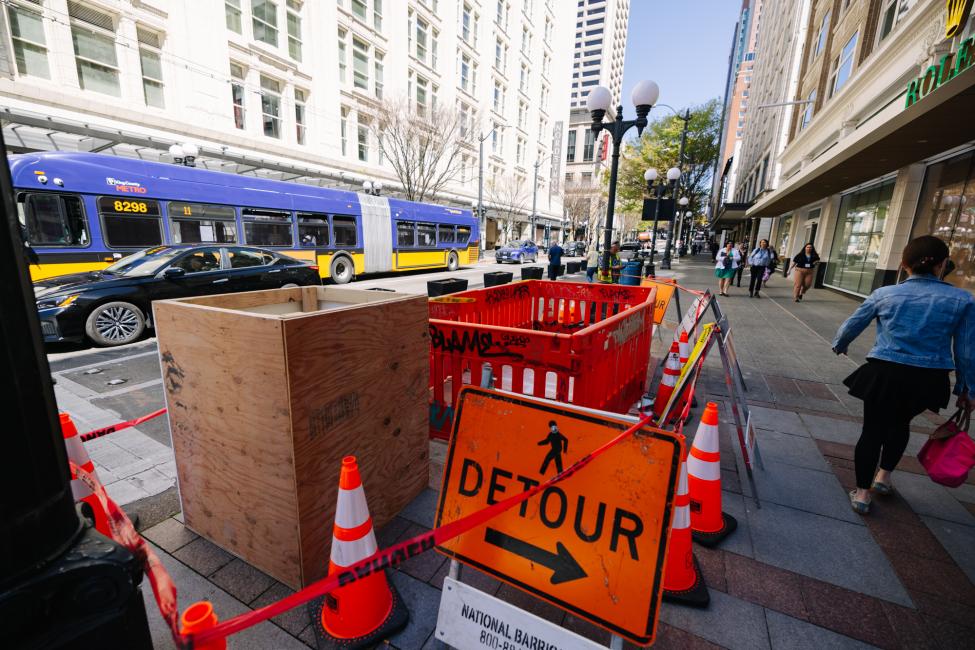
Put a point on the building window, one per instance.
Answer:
(468, 74)
(362, 131)
(237, 93)
(520, 151)
(294, 30)
(890, 15)
(93, 37)
(264, 17)
(589, 147)
(271, 106)
(526, 40)
(344, 130)
(300, 125)
(498, 97)
(421, 86)
(151, 62)
(377, 15)
(843, 66)
(232, 11)
(378, 68)
(343, 56)
(30, 46)
(856, 240)
(523, 80)
(570, 150)
(522, 114)
(807, 114)
(360, 8)
(499, 54)
(360, 64)
(468, 25)
(422, 31)
(823, 34)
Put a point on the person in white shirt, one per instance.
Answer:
(727, 261)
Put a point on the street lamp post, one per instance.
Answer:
(679, 216)
(598, 101)
(657, 189)
(481, 212)
(665, 263)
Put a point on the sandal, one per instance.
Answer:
(859, 507)
(883, 489)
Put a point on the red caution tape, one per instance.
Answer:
(98, 433)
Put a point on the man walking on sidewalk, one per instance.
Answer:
(554, 261)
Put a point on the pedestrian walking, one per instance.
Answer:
(759, 261)
(555, 253)
(919, 323)
(742, 254)
(727, 261)
(714, 250)
(772, 266)
(804, 266)
(592, 263)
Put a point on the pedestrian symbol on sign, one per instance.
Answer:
(559, 444)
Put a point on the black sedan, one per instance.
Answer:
(113, 306)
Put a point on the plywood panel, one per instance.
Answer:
(229, 414)
(366, 395)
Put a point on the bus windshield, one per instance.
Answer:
(146, 262)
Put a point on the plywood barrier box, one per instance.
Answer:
(267, 391)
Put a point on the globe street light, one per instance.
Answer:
(184, 154)
(680, 224)
(598, 101)
(373, 188)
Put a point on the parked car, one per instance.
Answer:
(516, 251)
(575, 249)
(114, 306)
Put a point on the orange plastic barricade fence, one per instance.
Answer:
(579, 343)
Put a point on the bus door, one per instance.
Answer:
(377, 233)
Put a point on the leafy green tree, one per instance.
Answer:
(659, 147)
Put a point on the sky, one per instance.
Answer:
(683, 45)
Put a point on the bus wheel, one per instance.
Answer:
(341, 270)
(115, 323)
(452, 262)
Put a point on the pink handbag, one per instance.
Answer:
(948, 460)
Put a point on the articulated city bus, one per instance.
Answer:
(83, 211)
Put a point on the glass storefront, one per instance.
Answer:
(782, 243)
(946, 209)
(856, 240)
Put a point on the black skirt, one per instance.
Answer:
(896, 383)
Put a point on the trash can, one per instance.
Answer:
(531, 272)
(446, 286)
(632, 272)
(496, 278)
(573, 267)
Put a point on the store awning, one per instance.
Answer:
(730, 215)
(938, 123)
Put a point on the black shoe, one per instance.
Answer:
(757, 296)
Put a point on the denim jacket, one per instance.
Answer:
(760, 257)
(919, 323)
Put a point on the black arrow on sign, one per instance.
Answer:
(564, 567)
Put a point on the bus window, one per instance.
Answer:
(426, 235)
(130, 223)
(53, 219)
(463, 234)
(405, 234)
(312, 229)
(446, 234)
(344, 231)
(195, 223)
(267, 227)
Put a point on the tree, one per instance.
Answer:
(583, 207)
(423, 145)
(508, 196)
(659, 147)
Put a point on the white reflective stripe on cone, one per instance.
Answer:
(707, 470)
(80, 489)
(682, 518)
(348, 553)
(76, 450)
(351, 510)
(682, 483)
(706, 439)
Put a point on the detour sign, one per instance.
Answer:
(593, 544)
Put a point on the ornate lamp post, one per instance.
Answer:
(598, 101)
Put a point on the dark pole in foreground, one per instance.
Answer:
(598, 101)
(665, 263)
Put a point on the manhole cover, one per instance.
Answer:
(92, 371)
(115, 382)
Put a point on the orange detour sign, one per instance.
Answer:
(593, 543)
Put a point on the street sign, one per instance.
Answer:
(470, 619)
(593, 544)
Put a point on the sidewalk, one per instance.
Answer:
(802, 571)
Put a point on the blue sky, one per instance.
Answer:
(683, 45)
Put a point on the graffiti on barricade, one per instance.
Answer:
(481, 342)
(509, 292)
(630, 327)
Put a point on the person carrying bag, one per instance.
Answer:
(950, 453)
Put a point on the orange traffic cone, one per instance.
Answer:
(685, 348)
(668, 380)
(82, 493)
(709, 524)
(683, 581)
(198, 617)
(369, 609)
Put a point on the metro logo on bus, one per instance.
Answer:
(593, 544)
(130, 187)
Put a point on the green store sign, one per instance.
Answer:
(951, 65)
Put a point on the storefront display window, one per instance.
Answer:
(947, 210)
(856, 241)
(783, 244)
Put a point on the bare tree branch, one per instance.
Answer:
(508, 197)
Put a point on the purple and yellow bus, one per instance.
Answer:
(83, 211)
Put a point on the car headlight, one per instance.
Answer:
(57, 301)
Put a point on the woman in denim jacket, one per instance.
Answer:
(920, 323)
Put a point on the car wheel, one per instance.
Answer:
(341, 270)
(290, 285)
(115, 323)
(453, 263)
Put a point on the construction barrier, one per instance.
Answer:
(578, 343)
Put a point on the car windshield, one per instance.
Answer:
(143, 263)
